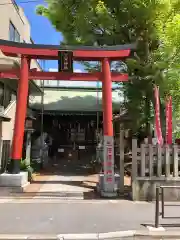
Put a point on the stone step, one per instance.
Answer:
(48, 195)
(60, 194)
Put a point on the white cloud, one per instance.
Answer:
(71, 83)
(53, 70)
(56, 70)
(77, 70)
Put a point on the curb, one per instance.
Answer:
(95, 236)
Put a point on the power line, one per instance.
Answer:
(22, 2)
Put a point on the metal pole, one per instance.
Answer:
(162, 202)
(157, 208)
(97, 116)
(42, 119)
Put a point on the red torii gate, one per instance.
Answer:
(79, 53)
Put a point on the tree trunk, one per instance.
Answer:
(147, 116)
(147, 100)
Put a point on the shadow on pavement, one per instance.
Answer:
(165, 225)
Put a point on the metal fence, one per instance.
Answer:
(160, 198)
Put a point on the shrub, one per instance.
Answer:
(27, 168)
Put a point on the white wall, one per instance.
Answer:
(15, 14)
(8, 127)
(10, 12)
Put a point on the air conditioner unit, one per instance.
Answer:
(1, 109)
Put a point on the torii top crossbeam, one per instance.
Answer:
(80, 53)
(31, 51)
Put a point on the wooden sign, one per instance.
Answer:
(65, 61)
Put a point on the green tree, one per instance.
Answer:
(153, 24)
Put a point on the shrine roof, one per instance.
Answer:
(73, 101)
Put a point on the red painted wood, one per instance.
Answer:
(35, 75)
(53, 53)
(107, 98)
(100, 54)
(21, 107)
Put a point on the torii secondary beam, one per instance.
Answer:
(35, 75)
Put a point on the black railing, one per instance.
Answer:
(5, 156)
(160, 198)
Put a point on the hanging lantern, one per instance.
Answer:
(29, 124)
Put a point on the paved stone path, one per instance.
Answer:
(61, 186)
(59, 183)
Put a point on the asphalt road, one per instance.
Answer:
(75, 217)
(68, 217)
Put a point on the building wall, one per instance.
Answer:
(8, 127)
(10, 12)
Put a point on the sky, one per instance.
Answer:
(42, 32)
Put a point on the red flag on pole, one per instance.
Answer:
(169, 120)
(157, 117)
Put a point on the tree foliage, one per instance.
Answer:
(153, 24)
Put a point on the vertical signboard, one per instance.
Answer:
(65, 61)
(109, 180)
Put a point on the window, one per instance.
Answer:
(13, 33)
(7, 96)
(1, 94)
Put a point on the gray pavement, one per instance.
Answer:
(65, 217)
(73, 217)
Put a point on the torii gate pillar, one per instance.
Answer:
(108, 143)
(20, 116)
(107, 98)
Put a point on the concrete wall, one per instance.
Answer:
(8, 127)
(145, 189)
(10, 12)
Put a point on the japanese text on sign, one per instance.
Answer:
(65, 61)
(108, 162)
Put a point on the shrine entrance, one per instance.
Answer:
(65, 56)
(75, 134)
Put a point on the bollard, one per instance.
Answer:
(157, 208)
(162, 202)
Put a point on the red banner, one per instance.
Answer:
(169, 120)
(157, 117)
